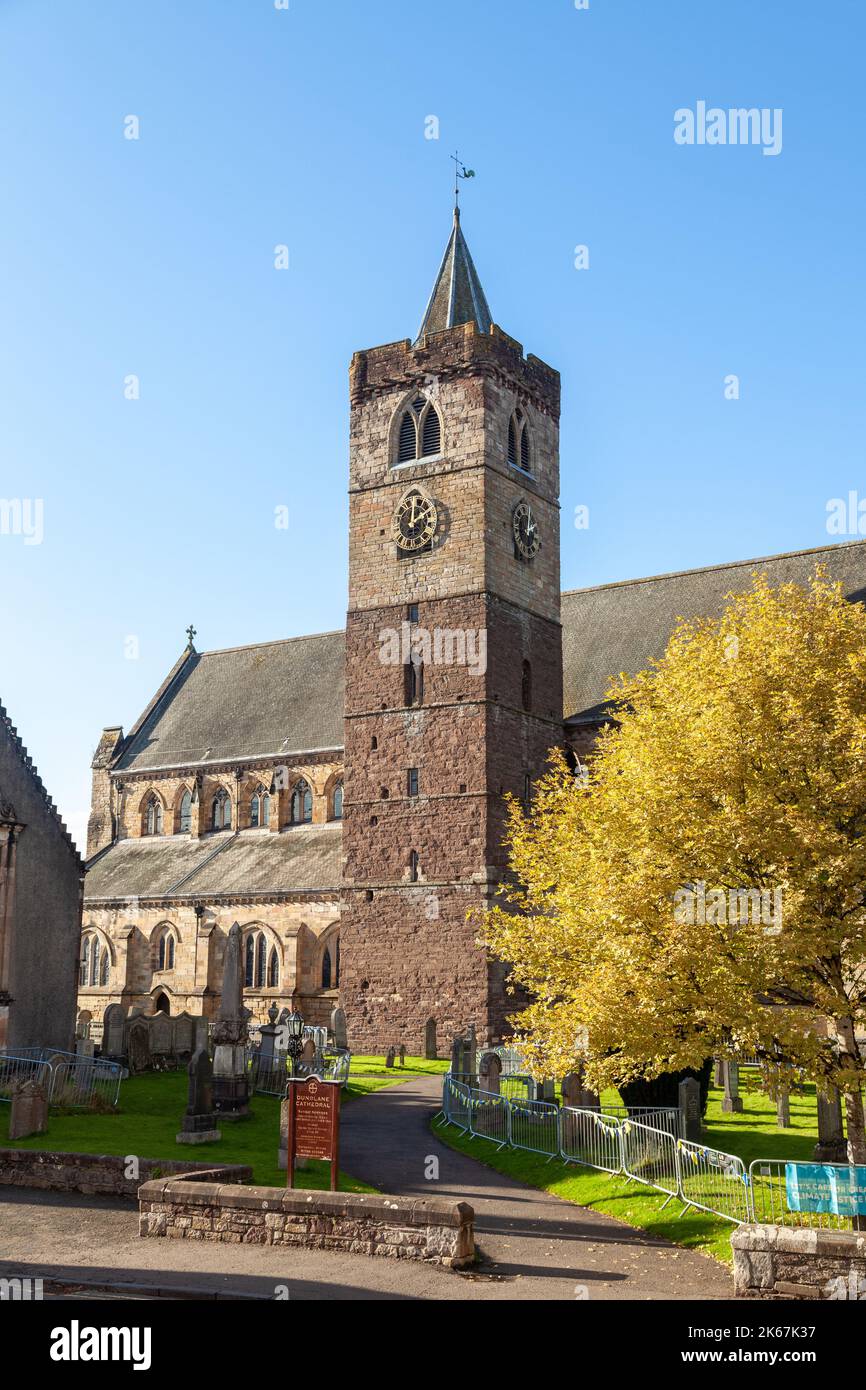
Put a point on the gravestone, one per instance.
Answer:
(230, 1079)
(389, 1060)
(198, 1125)
(430, 1051)
(112, 1030)
(339, 1031)
(84, 1047)
(489, 1072)
(402, 1054)
(732, 1103)
(29, 1109)
(308, 1054)
(831, 1146)
(184, 1035)
(576, 1093)
(138, 1046)
(546, 1090)
(783, 1110)
(160, 1035)
(690, 1109)
(718, 1072)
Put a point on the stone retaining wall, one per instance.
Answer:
(101, 1173)
(435, 1230)
(784, 1262)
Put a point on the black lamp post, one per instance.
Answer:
(294, 1038)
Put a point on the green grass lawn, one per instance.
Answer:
(415, 1066)
(148, 1118)
(751, 1134)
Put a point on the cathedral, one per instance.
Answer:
(341, 795)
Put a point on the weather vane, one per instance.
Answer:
(460, 172)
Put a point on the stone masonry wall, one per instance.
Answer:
(100, 1173)
(783, 1262)
(440, 1232)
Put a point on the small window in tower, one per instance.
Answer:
(412, 613)
(374, 742)
(512, 443)
(413, 677)
(431, 434)
(414, 866)
(412, 781)
(527, 791)
(407, 448)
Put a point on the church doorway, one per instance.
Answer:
(161, 1004)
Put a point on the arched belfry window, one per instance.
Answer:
(221, 811)
(153, 815)
(184, 814)
(260, 807)
(420, 435)
(302, 803)
(519, 449)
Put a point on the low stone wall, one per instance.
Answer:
(363, 1224)
(103, 1174)
(783, 1262)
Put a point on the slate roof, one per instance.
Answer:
(457, 294)
(251, 862)
(243, 703)
(622, 627)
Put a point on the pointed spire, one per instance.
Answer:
(457, 294)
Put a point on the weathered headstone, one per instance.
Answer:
(576, 1093)
(783, 1109)
(339, 1030)
(112, 1030)
(546, 1090)
(184, 1035)
(718, 1072)
(489, 1072)
(732, 1102)
(308, 1055)
(690, 1109)
(402, 1054)
(84, 1047)
(389, 1060)
(138, 1046)
(29, 1109)
(230, 1080)
(160, 1035)
(831, 1146)
(430, 1045)
(198, 1125)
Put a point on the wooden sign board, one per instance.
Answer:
(313, 1124)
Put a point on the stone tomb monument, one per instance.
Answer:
(198, 1125)
(231, 1091)
(29, 1110)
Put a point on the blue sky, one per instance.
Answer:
(155, 257)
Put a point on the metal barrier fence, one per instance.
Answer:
(268, 1075)
(647, 1150)
(768, 1182)
(71, 1082)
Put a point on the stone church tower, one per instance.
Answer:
(453, 655)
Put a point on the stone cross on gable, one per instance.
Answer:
(190, 632)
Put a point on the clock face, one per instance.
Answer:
(527, 538)
(415, 521)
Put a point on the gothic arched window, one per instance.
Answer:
(249, 960)
(302, 803)
(85, 961)
(221, 816)
(337, 805)
(105, 967)
(184, 814)
(153, 815)
(326, 969)
(273, 969)
(95, 962)
(519, 452)
(165, 951)
(420, 435)
(260, 807)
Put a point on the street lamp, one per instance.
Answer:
(294, 1038)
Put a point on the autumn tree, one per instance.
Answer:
(701, 888)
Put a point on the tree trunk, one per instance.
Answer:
(856, 1126)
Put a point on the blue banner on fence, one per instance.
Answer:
(821, 1187)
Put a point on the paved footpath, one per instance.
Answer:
(533, 1246)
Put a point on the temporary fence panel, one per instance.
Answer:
(455, 1103)
(821, 1196)
(15, 1069)
(714, 1181)
(489, 1116)
(650, 1156)
(84, 1081)
(512, 1060)
(591, 1138)
(516, 1086)
(535, 1126)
